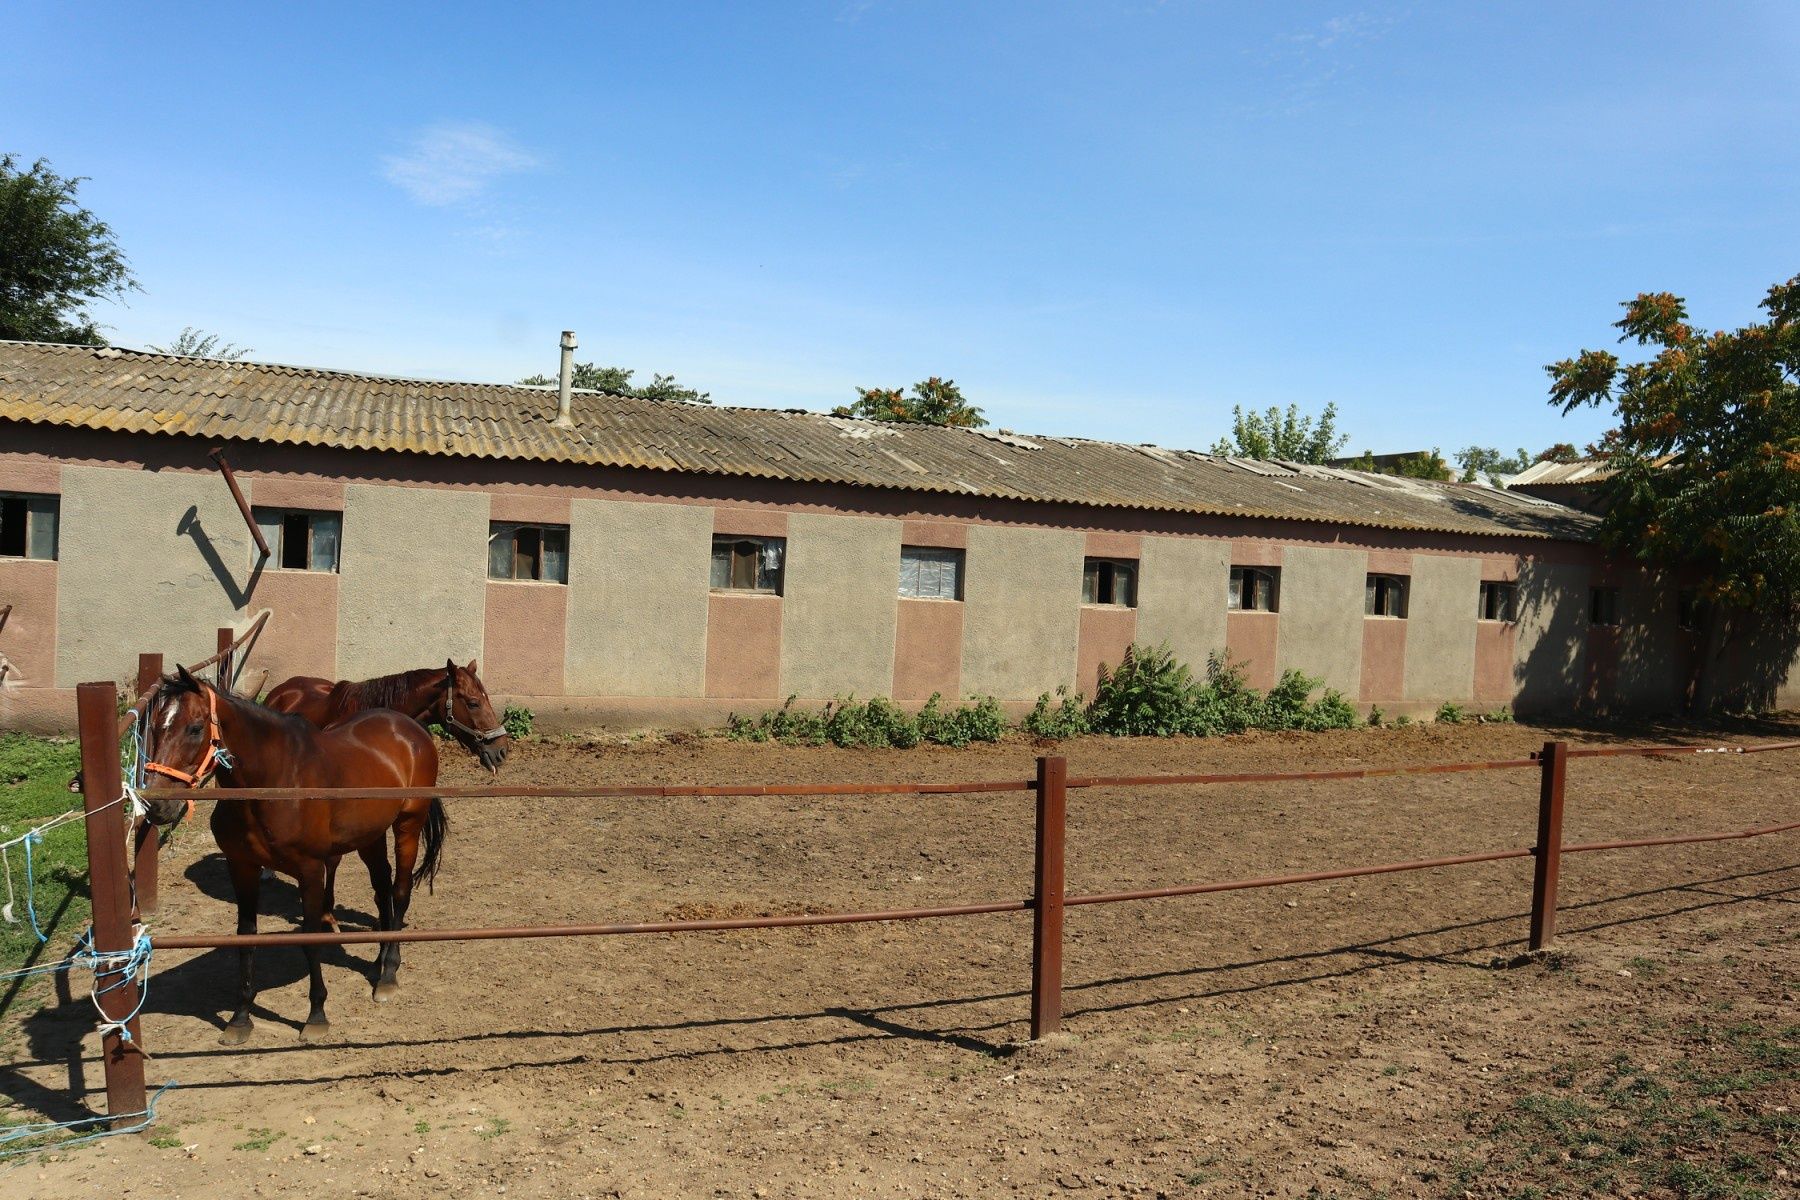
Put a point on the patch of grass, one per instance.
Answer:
(1644, 966)
(1706, 1127)
(422, 1127)
(166, 1141)
(34, 779)
(259, 1139)
(495, 1128)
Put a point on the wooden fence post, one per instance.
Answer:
(97, 708)
(145, 856)
(1047, 898)
(1554, 765)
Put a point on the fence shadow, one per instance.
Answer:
(203, 986)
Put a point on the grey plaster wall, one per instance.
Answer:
(1442, 606)
(1322, 613)
(148, 561)
(838, 613)
(638, 587)
(412, 578)
(1022, 610)
(1551, 651)
(1181, 596)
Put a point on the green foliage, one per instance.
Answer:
(1376, 716)
(56, 258)
(1402, 720)
(1152, 693)
(34, 786)
(1705, 454)
(1065, 716)
(1500, 716)
(1451, 713)
(1423, 465)
(518, 720)
(192, 343)
(1289, 436)
(874, 724)
(933, 401)
(616, 381)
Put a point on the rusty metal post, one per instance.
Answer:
(217, 454)
(225, 638)
(1554, 764)
(97, 707)
(150, 669)
(1047, 897)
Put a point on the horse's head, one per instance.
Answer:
(182, 745)
(471, 718)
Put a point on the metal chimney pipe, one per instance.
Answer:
(563, 379)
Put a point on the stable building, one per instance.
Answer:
(659, 563)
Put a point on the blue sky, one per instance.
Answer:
(1113, 220)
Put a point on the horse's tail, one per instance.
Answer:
(437, 827)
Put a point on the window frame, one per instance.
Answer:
(1603, 602)
(31, 509)
(1105, 573)
(758, 561)
(1378, 590)
(538, 556)
(1242, 575)
(955, 556)
(1506, 588)
(278, 518)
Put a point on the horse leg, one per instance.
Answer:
(246, 884)
(381, 878)
(406, 856)
(312, 904)
(331, 866)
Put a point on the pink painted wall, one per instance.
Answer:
(524, 636)
(743, 645)
(928, 638)
(1250, 640)
(1106, 631)
(28, 638)
(1495, 646)
(1383, 659)
(301, 636)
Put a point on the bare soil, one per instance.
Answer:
(1359, 1037)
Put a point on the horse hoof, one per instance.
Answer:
(386, 990)
(235, 1034)
(315, 1031)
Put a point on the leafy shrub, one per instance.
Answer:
(874, 724)
(1285, 707)
(1403, 720)
(1067, 718)
(983, 721)
(785, 724)
(1149, 692)
(1331, 711)
(1500, 716)
(1450, 713)
(1224, 703)
(1376, 716)
(518, 720)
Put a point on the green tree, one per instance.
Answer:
(56, 258)
(933, 401)
(1477, 461)
(1423, 465)
(1288, 436)
(192, 343)
(1705, 458)
(616, 381)
(1561, 452)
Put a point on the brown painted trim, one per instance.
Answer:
(1255, 552)
(750, 522)
(1102, 544)
(743, 645)
(1106, 630)
(1383, 659)
(928, 648)
(22, 473)
(318, 495)
(530, 508)
(1252, 639)
(948, 535)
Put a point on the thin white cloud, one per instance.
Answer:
(454, 161)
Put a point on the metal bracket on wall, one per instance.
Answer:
(217, 454)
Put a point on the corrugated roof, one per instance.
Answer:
(138, 392)
(1585, 470)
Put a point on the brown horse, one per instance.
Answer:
(453, 696)
(195, 731)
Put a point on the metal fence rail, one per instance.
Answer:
(112, 881)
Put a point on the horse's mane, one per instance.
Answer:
(383, 691)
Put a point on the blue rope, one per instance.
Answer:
(30, 907)
(34, 1129)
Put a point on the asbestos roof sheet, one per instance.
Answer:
(137, 392)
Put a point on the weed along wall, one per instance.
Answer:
(693, 571)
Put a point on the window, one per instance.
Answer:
(748, 564)
(1385, 596)
(1603, 605)
(1690, 610)
(528, 552)
(931, 573)
(301, 541)
(1254, 589)
(1496, 601)
(1109, 581)
(28, 525)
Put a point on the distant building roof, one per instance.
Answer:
(137, 392)
(1546, 473)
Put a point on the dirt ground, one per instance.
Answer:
(1360, 1037)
